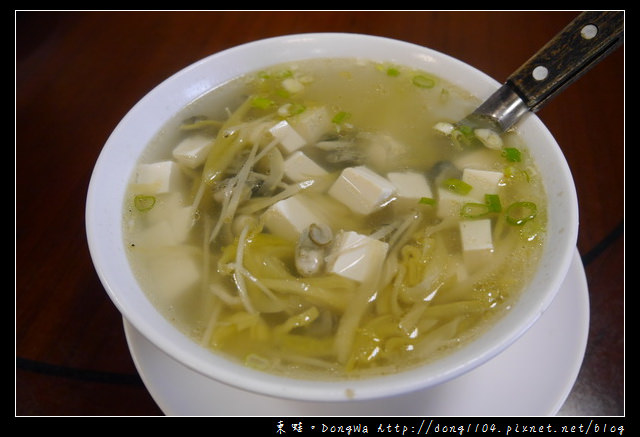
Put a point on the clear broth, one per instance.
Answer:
(426, 297)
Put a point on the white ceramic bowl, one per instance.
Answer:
(118, 158)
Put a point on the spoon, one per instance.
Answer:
(584, 42)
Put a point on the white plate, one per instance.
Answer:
(533, 377)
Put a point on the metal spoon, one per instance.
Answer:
(584, 42)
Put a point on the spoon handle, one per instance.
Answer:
(584, 42)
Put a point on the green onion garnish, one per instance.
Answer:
(511, 171)
(474, 210)
(340, 117)
(423, 81)
(477, 210)
(493, 202)
(511, 154)
(519, 213)
(465, 130)
(462, 135)
(392, 71)
(143, 202)
(296, 108)
(427, 201)
(457, 186)
(262, 102)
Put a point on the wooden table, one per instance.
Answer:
(78, 73)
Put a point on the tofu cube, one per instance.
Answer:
(362, 190)
(181, 221)
(289, 139)
(176, 273)
(289, 217)
(476, 235)
(482, 159)
(169, 227)
(356, 256)
(382, 149)
(299, 167)
(482, 181)
(449, 204)
(313, 123)
(192, 151)
(292, 85)
(160, 177)
(410, 188)
(158, 234)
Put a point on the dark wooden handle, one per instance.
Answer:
(583, 43)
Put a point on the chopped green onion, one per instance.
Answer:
(340, 117)
(519, 213)
(514, 172)
(509, 171)
(144, 202)
(427, 201)
(474, 210)
(465, 130)
(393, 71)
(457, 186)
(477, 210)
(511, 154)
(291, 109)
(262, 102)
(296, 108)
(284, 74)
(462, 135)
(423, 81)
(493, 202)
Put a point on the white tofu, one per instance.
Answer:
(160, 177)
(181, 221)
(410, 188)
(299, 167)
(482, 181)
(170, 229)
(192, 151)
(258, 130)
(476, 235)
(382, 150)
(356, 256)
(449, 203)
(292, 85)
(313, 123)
(176, 272)
(159, 234)
(289, 139)
(289, 217)
(482, 159)
(362, 189)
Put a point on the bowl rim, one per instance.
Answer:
(105, 238)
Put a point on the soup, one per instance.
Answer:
(329, 219)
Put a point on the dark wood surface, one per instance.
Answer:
(78, 73)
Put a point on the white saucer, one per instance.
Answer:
(531, 378)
